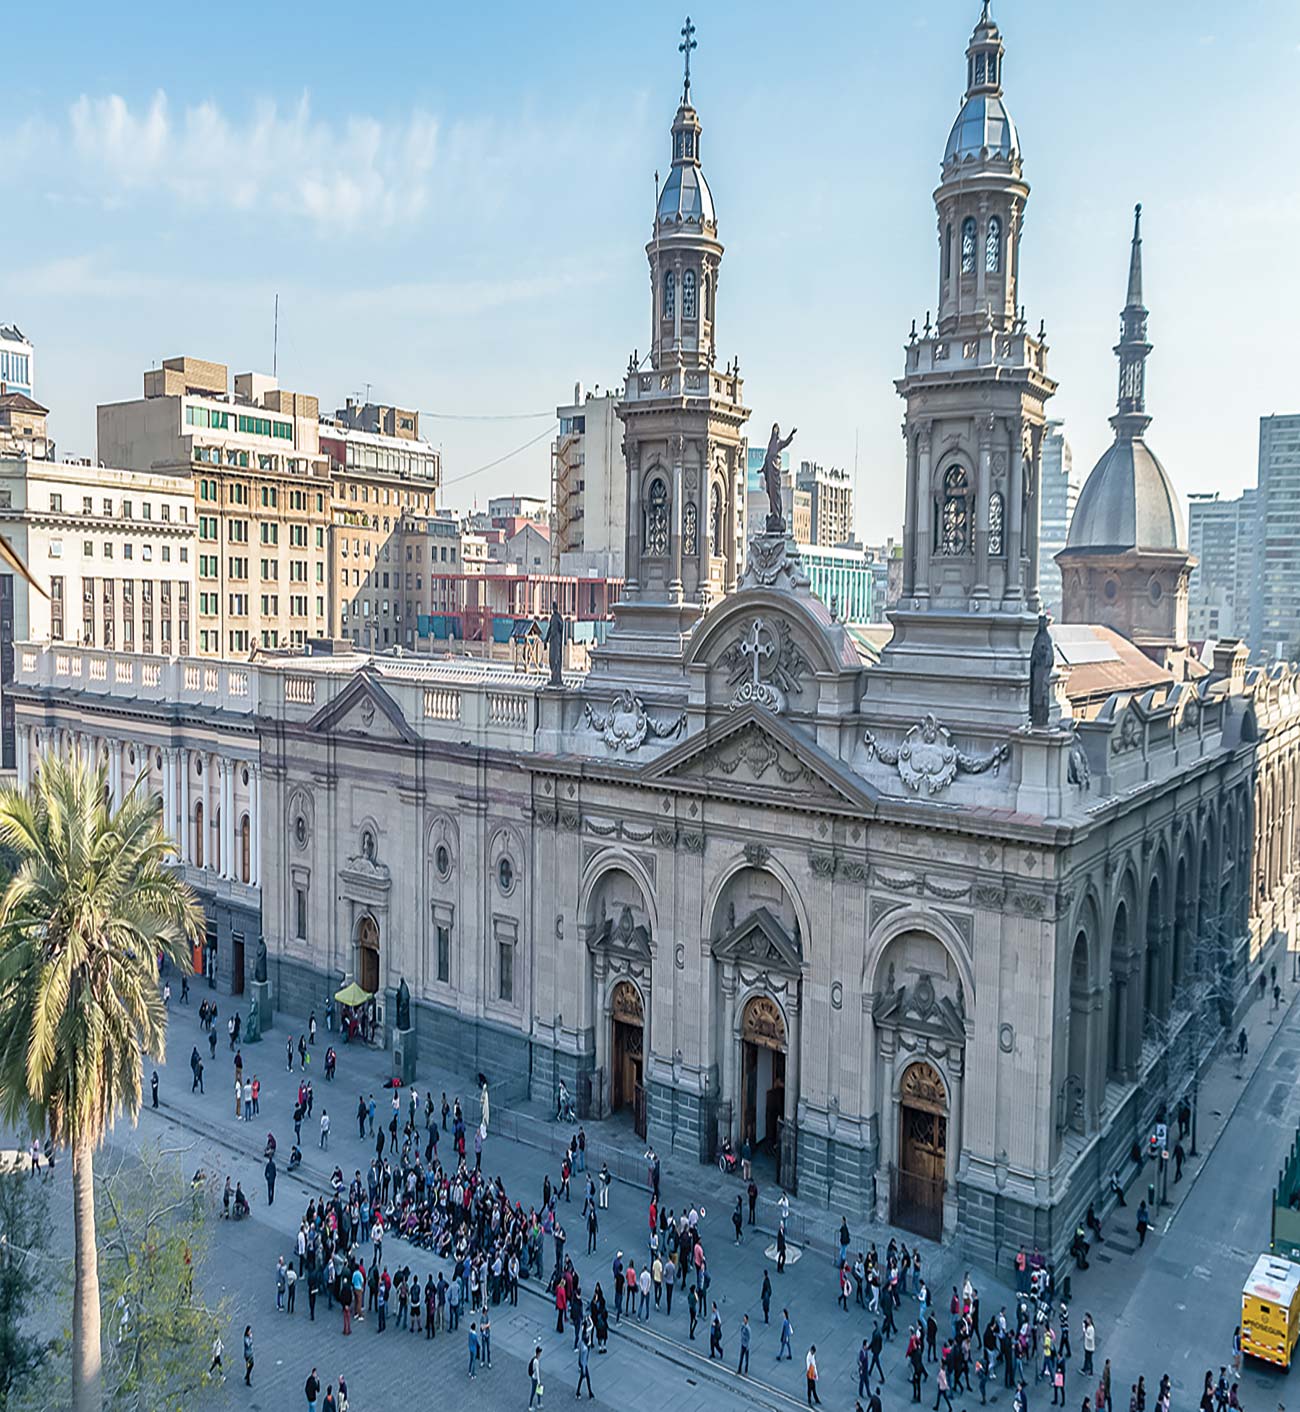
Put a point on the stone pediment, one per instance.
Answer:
(364, 708)
(622, 937)
(762, 940)
(920, 1009)
(753, 755)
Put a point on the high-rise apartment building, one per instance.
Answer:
(830, 503)
(261, 488)
(1275, 621)
(588, 487)
(1221, 535)
(1057, 498)
(16, 361)
(384, 481)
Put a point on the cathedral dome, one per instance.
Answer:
(686, 198)
(983, 124)
(1128, 502)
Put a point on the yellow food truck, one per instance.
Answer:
(1270, 1310)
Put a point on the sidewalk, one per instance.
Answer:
(807, 1288)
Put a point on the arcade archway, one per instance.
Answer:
(627, 1053)
(922, 1150)
(368, 954)
(762, 1075)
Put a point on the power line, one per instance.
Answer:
(478, 470)
(487, 416)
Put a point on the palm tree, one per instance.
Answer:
(83, 922)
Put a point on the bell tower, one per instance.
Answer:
(683, 422)
(975, 385)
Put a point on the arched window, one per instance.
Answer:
(715, 519)
(968, 246)
(688, 294)
(656, 519)
(245, 850)
(947, 250)
(706, 293)
(993, 247)
(954, 518)
(690, 529)
(198, 834)
(670, 294)
(995, 523)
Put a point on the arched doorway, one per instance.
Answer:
(1074, 1094)
(922, 1150)
(245, 850)
(763, 1048)
(368, 954)
(627, 1051)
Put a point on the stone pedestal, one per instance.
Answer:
(404, 1055)
(259, 1011)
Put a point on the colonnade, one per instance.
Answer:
(208, 798)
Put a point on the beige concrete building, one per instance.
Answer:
(261, 487)
(830, 504)
(588, 487)
(940, 929)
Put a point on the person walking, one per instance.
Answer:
(312, 1389)
(153, 1088)
(752, 1193)
(604, 1179)
(787, 1328)
(715, 1334)
(1089, 1342)
(765, 1295)
(1143, 1221)
(535, 1362)
(324, 1129)
(218, 1348)
(692, 1308)
(864, 1368)
(248, 1355)
(876, 1346)
(592, 1227)
(584, 1369)
(780, 1248)
(810, 1373)
(941, 1388)
(473, 1348)
(270, 1181)
(738, 1220)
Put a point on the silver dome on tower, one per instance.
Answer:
(984, 127)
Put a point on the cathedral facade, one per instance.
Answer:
(940, 934)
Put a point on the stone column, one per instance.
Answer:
(735, 552)
(632, 539)
(731, 1045)
(255, 824)
(909, 516)
(115, 772)
(888, 1121)
(169, 796)
(1033, 528)
(22, 755)
(223, 859)
(186, 844)
(1013, 517)
(982, 491)
(679, 452)
(924, 504)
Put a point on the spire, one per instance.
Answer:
(1130, 419)
(1135, 261)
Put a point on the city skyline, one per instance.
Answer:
(348, 201)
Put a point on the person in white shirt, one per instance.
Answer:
(324, 1128)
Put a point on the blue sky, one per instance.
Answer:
(452, 204)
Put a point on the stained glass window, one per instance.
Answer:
(670, 294)
(688, 294)
(968, 246)
(954, 521)
(656, 519)
(993, 246)
(995, 523)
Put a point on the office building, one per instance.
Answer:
(261, 488)
(1221, 536)
(830, 503)
(1275, 623)
(1058, 496)
(843, 579)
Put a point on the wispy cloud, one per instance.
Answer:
(286, 160)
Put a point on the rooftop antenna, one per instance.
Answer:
(275, 340)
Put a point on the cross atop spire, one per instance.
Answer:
(688, 43)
